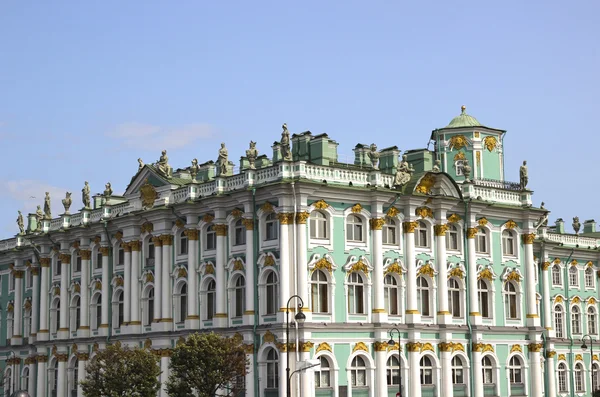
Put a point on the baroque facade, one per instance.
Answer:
(431, 270)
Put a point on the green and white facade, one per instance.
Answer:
(488, 299)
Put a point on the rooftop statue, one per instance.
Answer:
(437, 166)
(67, 202)
(222, 161)
(39, 216)
(576, 225)
(286, 152)
(523, 177)
(251, 155)
(194, 169)
(85, 195)
(108, 190)
(466, 170)
(47, 209)
(162, 165)
(20, 223)
(140, 164)
(404, 173)
(374, 156)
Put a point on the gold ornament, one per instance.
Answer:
(237, 213)
(221, 230)
(426, 184)
(209, 269)
(490, 143)
(302, 217)
(286, 218)
(148, 194)
(269, 260)
(320, 205)
(482, 221)
(459, 156)
(426, 270)
(458, 142)
(208, 218)
(472, 232)
(424, 212)
(516, 348)
(535, 347)
(392, 212)
(510, 224)
(267, 207)
(414, 346)
(528, 238)
(454, 218)
(441, 230)
(356, 208)
(409, 227)
(323, 263)
(377, 223)
(456, 272)
(324, 347)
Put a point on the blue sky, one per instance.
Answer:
(88, 87)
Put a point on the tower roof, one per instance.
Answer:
(463, 120)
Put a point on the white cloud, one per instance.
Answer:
(30, 193)
(153, 137)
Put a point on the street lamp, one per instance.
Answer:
(392, 343)
(300, 317)
(584, 348)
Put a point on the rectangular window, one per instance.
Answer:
(211, 240)
(99, 260)
(78, 264)
(11, 282)
(58, 268)
(573, 277)
(271, 230)
(452, 241)
(121, 259)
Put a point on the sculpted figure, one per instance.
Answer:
(108, 190)
(47, 209)
(194, 169)
(85, 195)
(222, 161)
(20, 223)
(163, 165)
(39, 216)
(403, 173)
(251, 155)
(467, 170)
(140, 164)
(523, 177)
(437, 166)
(286, 153)
(67, 202)
(374, 156)
(576, 224)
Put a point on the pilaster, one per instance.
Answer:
(474, 313)
(158, 275)
(135, 325)
(63, 331)
(192, 320)
(220, 319)
(43, 333)
(533, 319)
(379, 312)
(167, 286)
(412, 310)
(443, 314)
(302, 262)
(414, 358)
(17, 337)
(84, 325)
(126, 284)
(250, 282)
(106, 281)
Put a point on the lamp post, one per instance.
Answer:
(391, 342)
(584, 348)
(300, 317)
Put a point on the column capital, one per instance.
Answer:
(472, 232)
(535, 347)
(545, 265)
(249, 223)
(478, 347)
(550, 353)
(409, 227)
(126, 246)
(104, 251)
(248, 348)
(192, 234)
(82, 356)
(306, 346)
(528, 238)
(166, 239)
(135, 245)
(85, 255)
(445, 346)
(414, 346)
(301, 217)
(221, 230)
(62, 357)
(45, 262)
(376, 223)
(286, 218)
(41, 358)
(441, 229)
(380, 346)
(18, 273)
(35, 271)
(65, 258)
(157, 241)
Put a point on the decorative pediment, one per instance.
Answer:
(456, 270)
(358, 264)
(323, 262)
(393, 266)
(426, 269)
(146, 176)
(510, 274)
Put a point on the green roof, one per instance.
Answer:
(463, 120)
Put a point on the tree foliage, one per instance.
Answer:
(122, 372)
(207, 365)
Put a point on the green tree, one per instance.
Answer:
(207, 364)
(122, 372)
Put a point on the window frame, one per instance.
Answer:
(556, 271)
(356, 369)
(482, 236)
(318, 225)
(508, 296)
(355, 224)
(271, 228)
(356, 301)
(592, 320)
(509, 243)
(573, 276)
(590, 278)
(321, 373)
(422, 235)
(389, 290)
(424, 289)
(319, 291)
(488, 313)
(452, 231)
(516, 373)
(576, 325)
(455, 300)
(559, 316)
(389, 229)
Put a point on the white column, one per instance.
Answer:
(250, 283)
(134, 319)
(193, 318)
(477, 370)
(41, 375)
(412, 311)
(63, 330)
(301, 260)
(61, 386)
(533, 319)
(446, 364)
(379, 313)
(84, 325)
(221, 287)
(380, 386)
(164, 372)
(440, 258)
(126, 283)
(414, 355)
(550, 368)
(472, 275)
(105, 287)
(43, 332)
(35, 308)
(282, 373)
(535, 367)
(307, 377)
(249, 371)
(167, 302)
(158, 294)
(285, 220)
(82, 359)
(546, 299)
(32, 375)
(18, 308)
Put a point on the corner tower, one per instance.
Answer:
(465, 138)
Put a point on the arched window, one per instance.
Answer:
(27, 323)
(458, 376)
(120, 256)
(454, 298)
(183, 243)
(149, 308)
(389, 232)
(595, 383)
(211, 238)
(510, 301)
(558, 321)
(182, 303)
(354, 228)
(589, 278)
(96, 311)
(481, 241)
(573, 276)
(75, 313)
(151, 253)
(118, 309)
(272, 369)
(77, 264)
(25, 379)
(211, 300)
(592, 321)
(271, 226)
(72, 373)
(319, 292)
(356, 294)
(318, 225)
(452, 237)
(239, 292)
(423, 301)
(515, 370)
(422, 235)
(508, 243)
(358, 372)
(426, 371)
(239, 233)
(562, 378)
(98, 264)
(556, 275)
(54, 318)
(579, 383)
(393, 371)
(488, 370)
(392, 295)
(484, 298)
(55, 377)
(272, 294)
(575, 320)
(323, 375)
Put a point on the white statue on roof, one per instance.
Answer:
(404, 173)
(163, 167)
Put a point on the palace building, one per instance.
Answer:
(428, 269)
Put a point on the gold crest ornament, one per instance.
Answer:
(148, 194)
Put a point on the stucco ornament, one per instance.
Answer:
(85, 195)
(148, 194)
(162, 165)
(404, 173)
(222, 161)
(458, 142)
(67, 202)
(374, 156)
(576, 225)
(466, 168)
(20, 223)
(523, 176)
(140, 164)
(39, 216)
(108, 190)
(437, 166)
(47, 209)
(251, 155)
(490, 143)
(194, 170)
(286, 152)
